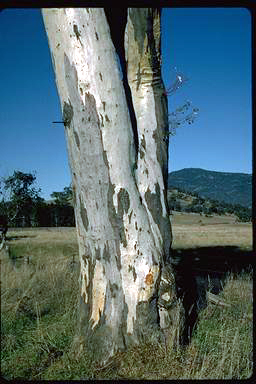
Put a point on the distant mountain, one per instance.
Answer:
(232, 188)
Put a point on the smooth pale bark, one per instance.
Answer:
(120, 204)
(143, 62)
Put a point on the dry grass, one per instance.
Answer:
(189, 232)
(196, 218)
(38, 307)
(38, 300)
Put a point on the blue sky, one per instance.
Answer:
(211, 46)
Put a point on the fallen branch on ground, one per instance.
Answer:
(216, 300)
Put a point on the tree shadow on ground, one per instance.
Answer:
(17, 237)
(198, 270)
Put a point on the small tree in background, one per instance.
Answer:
(62, 211)
(64, 197)
(23, 197)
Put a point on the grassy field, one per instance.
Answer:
(193, 230)
(39, 286)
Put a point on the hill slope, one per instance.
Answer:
(232, 188)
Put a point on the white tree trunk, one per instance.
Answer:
(122, 221)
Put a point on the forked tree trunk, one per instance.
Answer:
(119, 173)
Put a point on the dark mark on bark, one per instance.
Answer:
(113, 289)
(142, 153)
(158, 147)
(105, 158)
(154, 204)
(83, 213)
(97, 36)
(132, 269)
(72, 85)
(113, 218)
(67, 114)
(130, 216)
(154, 260)
(118, 255)
(123, 201)
(138, 78)
(104, 105)
(77, 139)
(107, 119)
(102, 124)
(101, 76)
(106, 253)
(85, 258)
(143, 143)
(77, 33)
(97, 254)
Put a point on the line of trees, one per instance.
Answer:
(22, 204)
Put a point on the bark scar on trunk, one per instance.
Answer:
(77, 33)
(68, 113)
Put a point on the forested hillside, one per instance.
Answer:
(182, 201)
(232, 188)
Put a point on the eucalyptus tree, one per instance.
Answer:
(63, 198)
(22, 197)
(108, 73)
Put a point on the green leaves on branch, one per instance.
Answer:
(22, 196)
(64, 197)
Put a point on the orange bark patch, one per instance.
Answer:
(149, 278)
